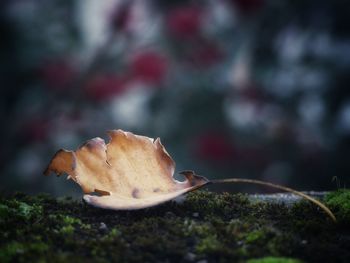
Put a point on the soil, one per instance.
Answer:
(204, 227)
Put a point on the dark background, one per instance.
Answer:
(234, 88)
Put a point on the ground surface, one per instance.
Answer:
(206, 227)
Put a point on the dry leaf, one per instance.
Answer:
(130, 172)
(133, 172)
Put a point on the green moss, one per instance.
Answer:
(207, 226)
(210, 203)
(20, 209)
(85, 226)
(256, 235)
(274, 260)
(68, 220)
(67, 230)
(209, 244)
(339, 203)
(112, 235)
(10, 251)
(4, 211)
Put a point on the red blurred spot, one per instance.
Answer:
(206, 55)
(150, 67)
(58, 74)
(103, 87)
(218, 148)
(214, 146)
(184, 22)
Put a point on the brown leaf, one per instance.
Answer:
(130, 172)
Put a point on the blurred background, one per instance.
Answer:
(234, 88)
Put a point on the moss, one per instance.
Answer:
(112, 235)
(4, 211)
(13, 249)
(68, 220)
(274, 260)
(339, 202)
(208, 244)
(67, 230)
(20, 209)
(9, 251)
(254, 236)
(206, 226)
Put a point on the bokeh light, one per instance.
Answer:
(234, 88)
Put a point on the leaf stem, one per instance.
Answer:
(287, 189)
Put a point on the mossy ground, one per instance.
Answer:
(207, 227)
